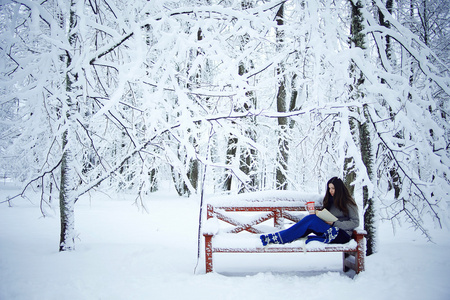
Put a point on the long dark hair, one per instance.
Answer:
(342, 197)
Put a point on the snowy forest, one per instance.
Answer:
(229, 96)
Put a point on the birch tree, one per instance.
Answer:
(283, 147)
(360, 127)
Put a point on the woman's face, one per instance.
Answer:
(331, 189)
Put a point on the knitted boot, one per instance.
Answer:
(271, 238)
(264, 239)
(327, 237)
(275, 238)
(331, 234)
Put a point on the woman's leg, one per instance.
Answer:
(308, 224)
(333, 235)
(342, 238)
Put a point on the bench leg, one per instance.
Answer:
(360, 254)
(359, 260)
(349, 261)
(208, 253)
(344, 257)
(354, 260)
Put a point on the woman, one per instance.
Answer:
(339, 202)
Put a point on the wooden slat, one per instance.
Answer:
(261, 208)
(241, 227)
(288, 216)
(281, 250)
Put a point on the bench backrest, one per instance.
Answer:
(259, 207)
(277, 213)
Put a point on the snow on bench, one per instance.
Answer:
(250, 215)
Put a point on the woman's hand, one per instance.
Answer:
(329, 223)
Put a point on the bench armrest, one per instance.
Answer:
(359, 231)
(359, 234)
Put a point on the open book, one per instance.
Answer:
(325, 215)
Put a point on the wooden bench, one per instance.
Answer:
(252, 216)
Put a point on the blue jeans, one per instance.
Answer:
(311, 224)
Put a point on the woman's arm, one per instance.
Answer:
(350, 222)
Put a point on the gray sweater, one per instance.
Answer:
(346, 223)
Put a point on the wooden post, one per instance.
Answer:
(277, 218)
(209, 211)
(346, 265)
(360, 254)
(208, 242)
(208, 253)
(355, 260)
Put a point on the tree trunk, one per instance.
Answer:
(246, 157)
(66, 200)
(366, 154)
(283, 144)
(360, 130)
(66, 195)
(230, 155)
(394, 176)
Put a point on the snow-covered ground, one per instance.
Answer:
(123, 252)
